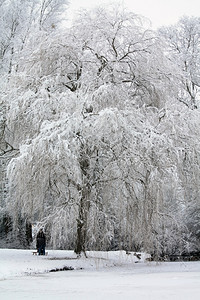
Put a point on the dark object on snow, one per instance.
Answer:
(36, 253)
(138, 255)
(41, 242)
(62, 269)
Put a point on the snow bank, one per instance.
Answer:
(23, 262)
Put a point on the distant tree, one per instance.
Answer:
(19, 20)
(183, 47)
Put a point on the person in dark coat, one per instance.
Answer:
(41, 242)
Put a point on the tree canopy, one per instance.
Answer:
(103, 128)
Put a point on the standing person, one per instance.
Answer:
(41, 242)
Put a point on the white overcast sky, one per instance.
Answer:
(160, 12)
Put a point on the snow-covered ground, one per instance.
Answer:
(103, 275)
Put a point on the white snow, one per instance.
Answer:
(103, 275)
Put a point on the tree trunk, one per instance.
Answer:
(82, 221)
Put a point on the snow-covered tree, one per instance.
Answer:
(105, 159)
(118, 50)
(21, 19)
(183, 47)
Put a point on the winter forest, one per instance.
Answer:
(99, 129)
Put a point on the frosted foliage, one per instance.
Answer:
(19, 21)
(183, 41)
(126, 161)
(47, 187)
(109, 96)
(28, 111)
(118, 54)
(51, 163)
(54, 57)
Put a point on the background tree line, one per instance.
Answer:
(99, 129)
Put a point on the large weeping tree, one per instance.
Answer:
(93, 111)
(91, 181)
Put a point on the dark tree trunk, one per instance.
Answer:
(82, 221)
(29, 238)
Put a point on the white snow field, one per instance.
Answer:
(103, 275)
